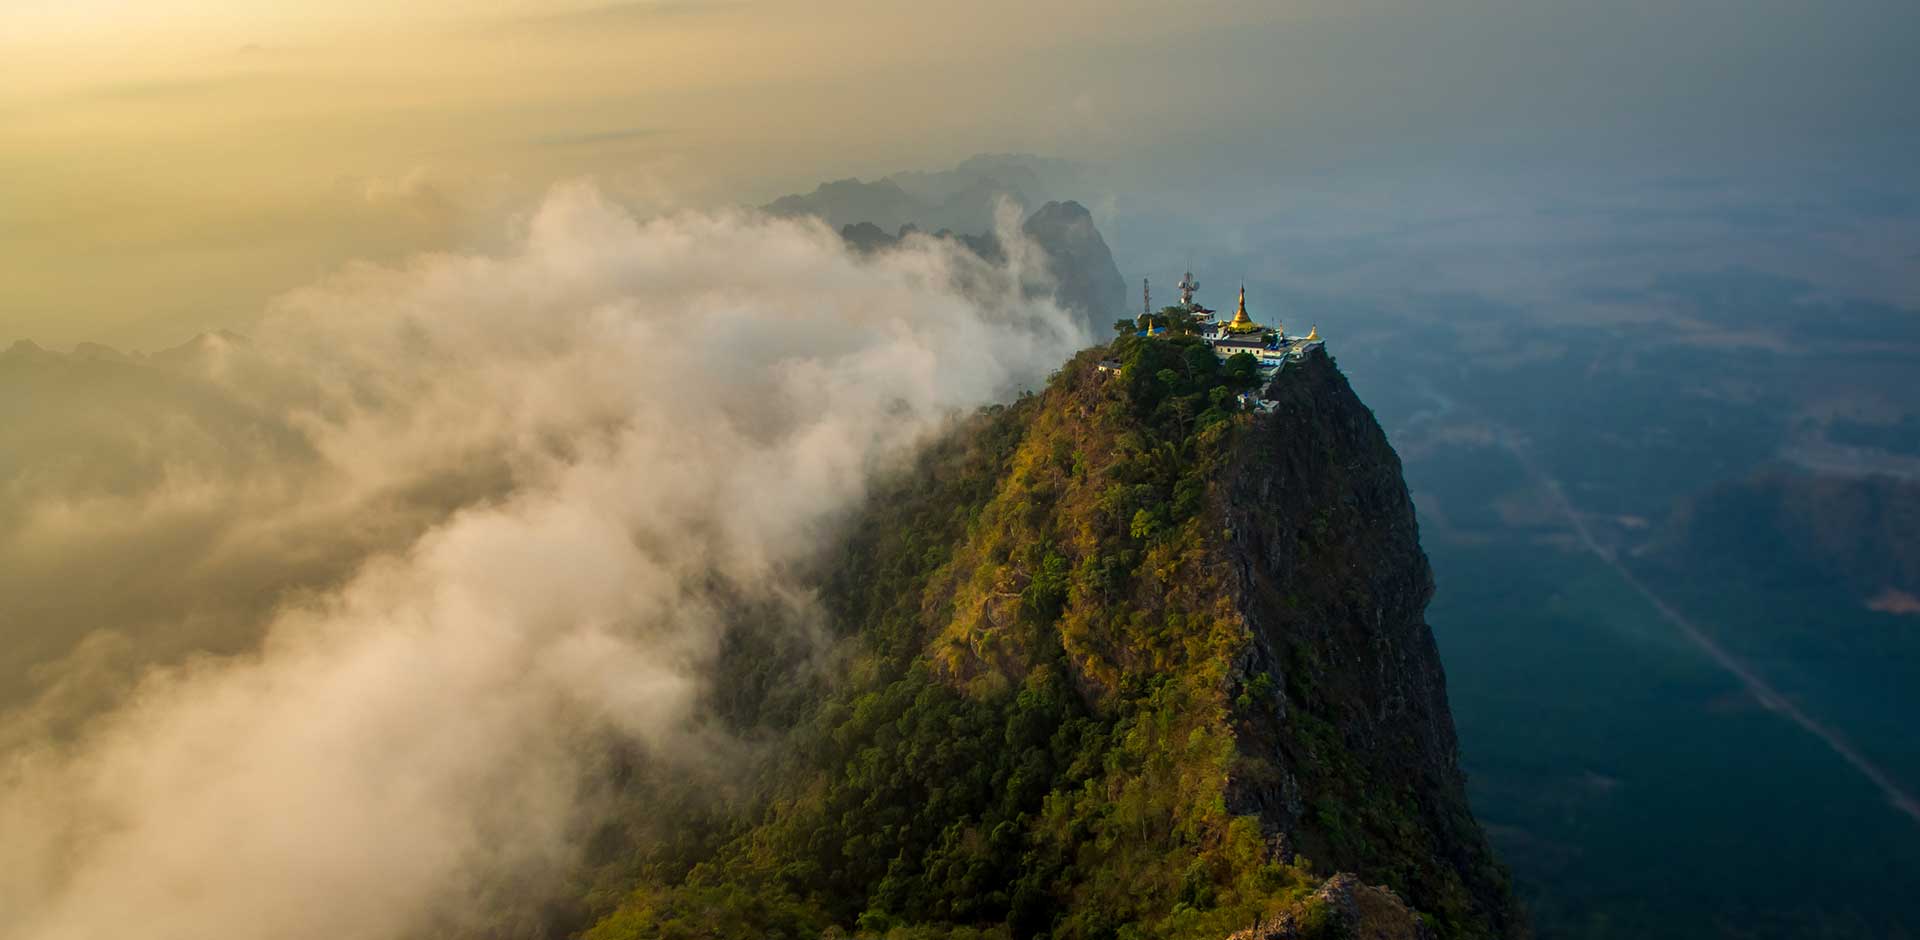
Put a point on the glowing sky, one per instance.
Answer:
(166, 165)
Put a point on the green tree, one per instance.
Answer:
(1242, 370)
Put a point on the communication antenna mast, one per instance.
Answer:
(1146, 298)
(1187, 286)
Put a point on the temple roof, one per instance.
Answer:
(1240, 342)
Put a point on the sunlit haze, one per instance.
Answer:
(168, 165)
(984, 470)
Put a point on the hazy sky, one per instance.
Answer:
(167, 165)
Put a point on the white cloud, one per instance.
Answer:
(676, 401)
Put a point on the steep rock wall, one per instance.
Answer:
(1351, 759)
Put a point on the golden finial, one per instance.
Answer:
(1241, 322)
(1314, 333)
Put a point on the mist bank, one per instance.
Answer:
(439, 533)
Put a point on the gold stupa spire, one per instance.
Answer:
(1241, 322)
(1314, 333)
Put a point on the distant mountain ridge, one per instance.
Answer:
(195, 350)
(961, 203)
(961, 199)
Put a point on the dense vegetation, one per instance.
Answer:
(1034, 728)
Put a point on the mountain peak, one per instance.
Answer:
(1082, 264)
(1065, 209)
(26, 350)
(1129, 654)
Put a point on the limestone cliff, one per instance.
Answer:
(1355, 762)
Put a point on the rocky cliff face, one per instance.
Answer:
(1354, 761)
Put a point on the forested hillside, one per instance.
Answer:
(1111, 666)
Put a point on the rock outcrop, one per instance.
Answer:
(1342, 908)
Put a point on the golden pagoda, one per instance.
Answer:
(1313, 334)
(1241, 322)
